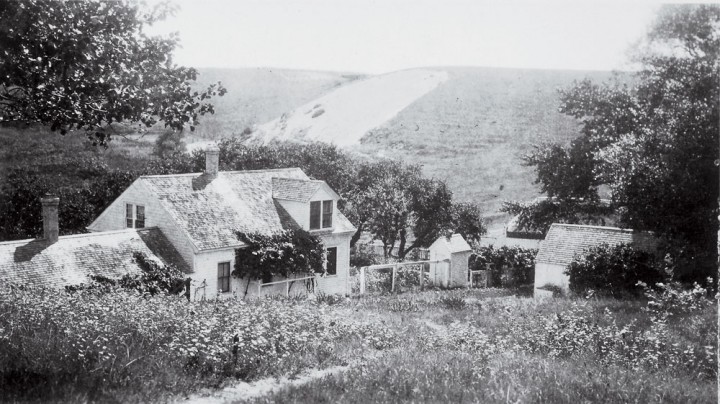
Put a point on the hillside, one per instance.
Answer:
(468, 126)
(347, 113)
(259, 95)
(473, 129)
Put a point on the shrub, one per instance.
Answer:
(613, 270)
(509, 266)
(453, 302)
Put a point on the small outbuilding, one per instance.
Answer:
(564, 242)
(458, 251)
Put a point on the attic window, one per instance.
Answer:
(134, 216)
(321, 213)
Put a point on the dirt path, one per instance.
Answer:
(243, 391)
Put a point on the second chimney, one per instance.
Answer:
(51, 229)
(212, 160)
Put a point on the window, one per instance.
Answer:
(327, 211)
(139, 216)
(321, 211)
(134, 216)
(224, 277)
(315, 215)
(331, 267)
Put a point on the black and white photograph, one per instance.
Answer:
(359, 201)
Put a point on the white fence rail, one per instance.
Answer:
(287, 282)
(440, 271)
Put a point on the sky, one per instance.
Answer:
(370, 36)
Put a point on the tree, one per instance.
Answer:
(398, 206)
(86, 65)
(654, 140)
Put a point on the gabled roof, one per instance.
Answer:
(293, 189)
(211, 212)
(72, 259)
(566, 241)
(456, 243)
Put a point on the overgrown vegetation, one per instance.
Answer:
(155, 278)
(510, 267)
(285, 254)
(121, 345)
(614, 270)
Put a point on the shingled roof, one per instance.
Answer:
(293, 189)
(566, 241)
(72, 259)
(232, 201)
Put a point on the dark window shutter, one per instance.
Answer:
(327, 213)
(331, 261)
(315, 215)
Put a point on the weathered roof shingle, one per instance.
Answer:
(566, 241)
(233, 201)
(72, 259)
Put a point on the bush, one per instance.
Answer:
(613, 270)
(510, 267)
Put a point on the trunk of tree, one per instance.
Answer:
(356, 236)
(401, 247)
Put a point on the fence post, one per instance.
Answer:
(392, 286)
(259, 287)
(471, 278)
(422, 275)
(362, 280)
(287, 289)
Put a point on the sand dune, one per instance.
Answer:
(344, 115)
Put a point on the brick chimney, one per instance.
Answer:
(51, 229)
(212, 160)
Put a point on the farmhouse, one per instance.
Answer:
(200, 213)
(566, 241)
(190, 220)
(53, 261)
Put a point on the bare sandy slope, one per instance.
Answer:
(346, 114)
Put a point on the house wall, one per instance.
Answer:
(300, 211)
(337, 284)
(459, 269)
(206, 263)
(551, 274)
(113, 218)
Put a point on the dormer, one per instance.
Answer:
(312, 204)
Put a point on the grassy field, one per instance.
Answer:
(472, 130)
(483, 345)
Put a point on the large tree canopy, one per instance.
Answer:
(653, 140)
(85, 65)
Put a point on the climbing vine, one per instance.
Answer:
(282, 254)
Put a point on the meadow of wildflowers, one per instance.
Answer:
(432, 346)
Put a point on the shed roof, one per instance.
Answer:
(72, 259)
(456, 243)
(565, 241)
(233, 201)
(293, 189)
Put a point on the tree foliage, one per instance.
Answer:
(653, 140)
(85, 65)
(292, 252)
(508, 266)
(613, 270)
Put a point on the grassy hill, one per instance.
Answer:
(470, 130)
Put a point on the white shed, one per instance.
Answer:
(458, 251)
